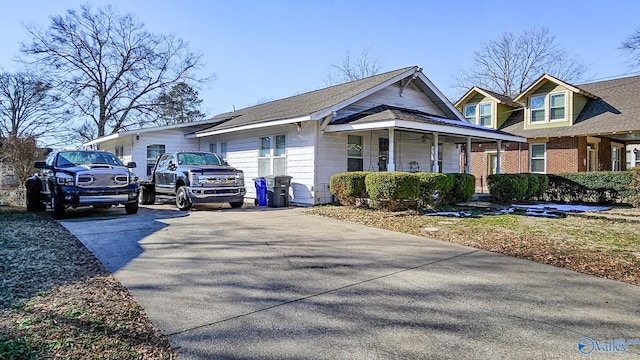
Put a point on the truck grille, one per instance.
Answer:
(102, 180)
(214, 180)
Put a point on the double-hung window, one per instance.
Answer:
(538, 158)
(119, 152)
(556, 107)
(153, 152)
(548, 107)
(538, 109)
(470, 113)
(355, 161)
(479, 114)
(219, 148)
(272, 155)
(485, 115)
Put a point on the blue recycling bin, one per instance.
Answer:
(261, 191)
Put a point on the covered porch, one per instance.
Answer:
(395, 139)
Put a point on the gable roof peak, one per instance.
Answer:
(549, 78)
(500, 98)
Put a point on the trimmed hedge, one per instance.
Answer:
(635, 187)
(349, 187)
(392, 190)
(433, 187)
(463, 188)
(507, 188)
(603, 187)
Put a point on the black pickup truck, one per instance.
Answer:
(192, 177)
(75, 178)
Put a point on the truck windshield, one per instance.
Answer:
(74, 158)
(199, 159)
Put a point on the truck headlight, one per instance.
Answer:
(240, 179)
(65, 180)
(194, 178)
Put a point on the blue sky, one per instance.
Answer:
(274, 49)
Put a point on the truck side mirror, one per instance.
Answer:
(171, 166)
(41, 165)
(131, 164)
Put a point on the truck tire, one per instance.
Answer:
(131, 208)
(57, 204)
(183, 201)
(147, 195)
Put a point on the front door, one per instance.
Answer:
(383, 153)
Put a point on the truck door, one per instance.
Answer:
(162, 174)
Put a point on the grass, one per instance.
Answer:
(604, 247)
(57, 301)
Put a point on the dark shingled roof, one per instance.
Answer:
(303, 104)
(616, 110)
(503, 98)
(386, 112)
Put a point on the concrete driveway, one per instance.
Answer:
(257, 283)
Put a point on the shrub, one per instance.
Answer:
(348, 187)
(392, 190)
(462, 189)
(507, 188)
(433, 186)
(635, 187)
(591, 187)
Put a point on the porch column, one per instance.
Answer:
(435, 167)
(498, 157)
(391, 166)
(467, 168)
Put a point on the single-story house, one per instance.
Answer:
(395, 121)
(568, 128)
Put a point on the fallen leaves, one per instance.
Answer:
(600, 247)
(57, 301)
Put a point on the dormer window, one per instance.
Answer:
(541, 112)
(479, 114)
(556, 107)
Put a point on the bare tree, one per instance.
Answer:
(512, 62)
(109, 66)
(353, 69)
(20, 154)
(632, 47)
(28, 106)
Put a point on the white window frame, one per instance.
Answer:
(360, 157)
(551, 95)
(213, 148)
(546, 108)
(151, 161)
(477, 116)
(543, 109)
(271, 158)
(118, 151)
(543, 158)
(471, 119)
(616, 161)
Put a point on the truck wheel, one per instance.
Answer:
(183, 201)
(131, 208)
(57, 204)
(147, 195)
(236, 204)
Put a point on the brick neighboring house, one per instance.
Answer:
(568, 128)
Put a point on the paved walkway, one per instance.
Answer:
(274, 283)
